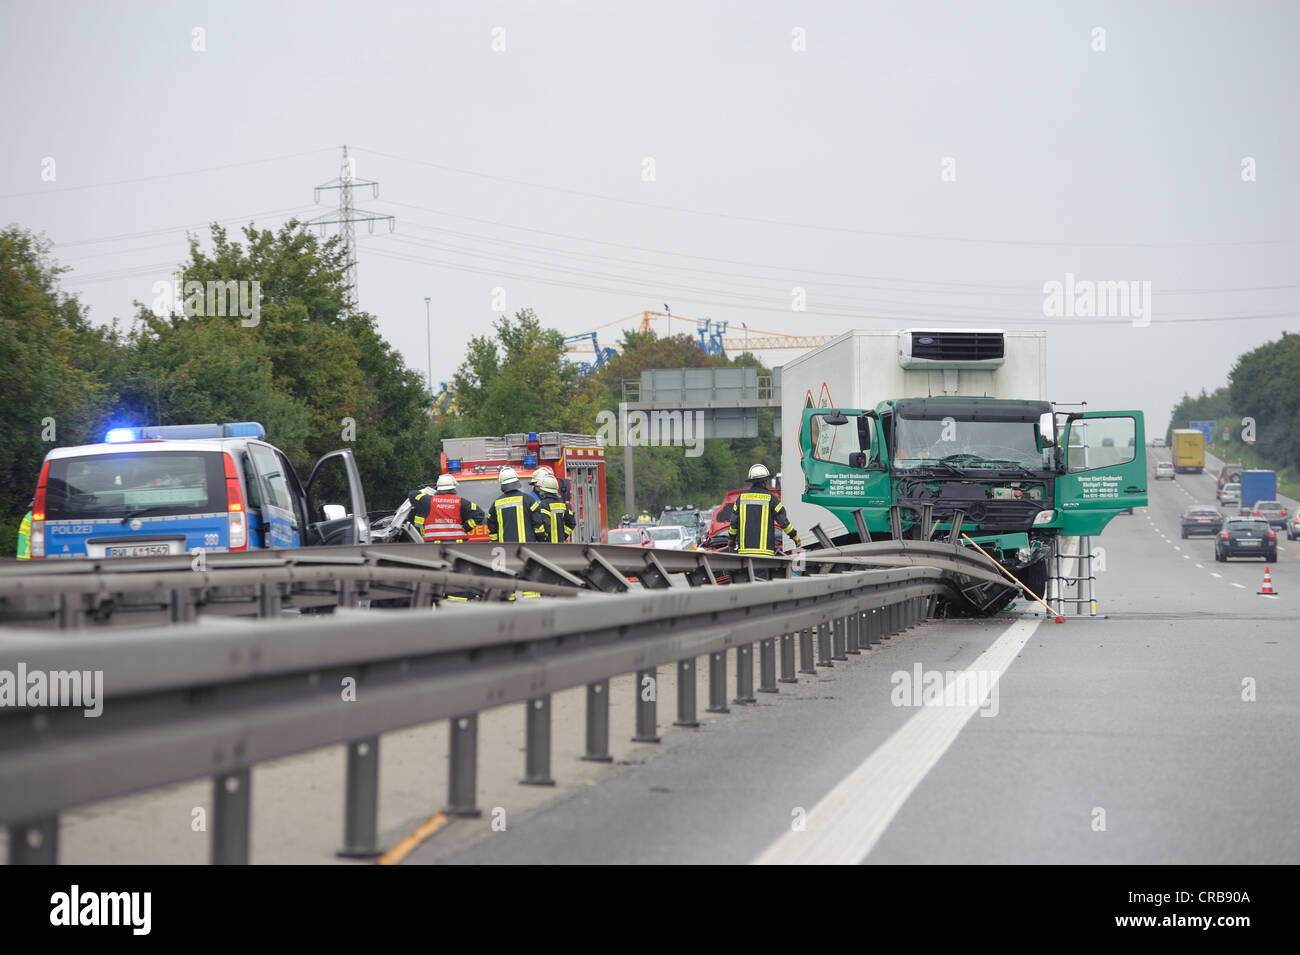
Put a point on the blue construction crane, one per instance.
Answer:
(602, 354)
(711, 333)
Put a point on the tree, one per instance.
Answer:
(49, 352)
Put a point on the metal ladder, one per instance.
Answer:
(1077, 589)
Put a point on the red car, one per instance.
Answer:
(716, 538)
(634, 536)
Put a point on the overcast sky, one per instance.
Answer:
(911, 164)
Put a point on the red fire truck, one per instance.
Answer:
(578, 461)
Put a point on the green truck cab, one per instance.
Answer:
(1020, 472)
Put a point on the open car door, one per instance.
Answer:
(340, 477)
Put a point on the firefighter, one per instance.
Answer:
(536, 481)
(25, 533)
(555, 511)
(515, 515)
(442, 516)
(755, 513)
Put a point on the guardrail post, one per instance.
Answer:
(745, 674)
(851, 632)
(598, 723)
(718, 682)
(686, 694)
(462, 774)
(231, 814)
(35, 842)
(361, 800)
(787, 659)
(537, 736)
(824, 645)
(647, 694)
(838, 639)
(806, 664)
(767, 666)
(182, 605)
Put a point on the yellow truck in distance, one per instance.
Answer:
(1189, 450)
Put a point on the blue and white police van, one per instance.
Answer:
(175, 489)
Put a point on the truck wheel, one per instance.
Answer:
(1035, 578)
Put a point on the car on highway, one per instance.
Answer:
(671, 537)
(634, 536)
(1293, 527)
(1201, 519)
(1164, 469)
(1230, 494)
(1157, 442)
(1272, 511)
(1246, 537)
(157, 491)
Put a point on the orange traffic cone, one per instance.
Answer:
(1267, 589)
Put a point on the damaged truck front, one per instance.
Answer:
(1017, 472)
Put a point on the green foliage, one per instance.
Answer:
(1264, 385)
(47, 349)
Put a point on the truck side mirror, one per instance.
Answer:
(858, 459)
(837, 418)
(1047, 428)
(334, 512)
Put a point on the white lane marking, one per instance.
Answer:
(1200, 567)
(845, 825)
(1176, 547)
(1235, 584)
(1213, 574)
(1189, 557)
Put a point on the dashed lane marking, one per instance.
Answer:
(1213, 574)
(1235, 584)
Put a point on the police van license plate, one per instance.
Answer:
(140, 550)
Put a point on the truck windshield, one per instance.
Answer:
(924, 442)
(131, 483)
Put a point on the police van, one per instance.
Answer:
(175, 489)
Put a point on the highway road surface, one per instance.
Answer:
(1165, 732)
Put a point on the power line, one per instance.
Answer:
(934, 318)
(165, 175)
(845, 230)
(792, 271)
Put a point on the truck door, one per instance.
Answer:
(338, 476)
(1103, 456)
(585, 491)
(844, 464)
(280, 523)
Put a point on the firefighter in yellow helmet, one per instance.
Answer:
(555, 510)
(757, 511)
(442, 516)
(515, 515)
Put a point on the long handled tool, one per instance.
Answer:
(1050, 611)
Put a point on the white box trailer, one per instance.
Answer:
(863, 367)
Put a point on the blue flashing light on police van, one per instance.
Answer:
(530, 460)
(186, 432)
(453, 464)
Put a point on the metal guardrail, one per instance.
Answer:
(184, 702)
(114, 592)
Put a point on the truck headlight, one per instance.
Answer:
(1044, 517)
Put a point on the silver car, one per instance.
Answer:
(1230, 494)
(670, 537)
(1272, 511)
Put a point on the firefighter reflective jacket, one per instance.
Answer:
(557, 516)
(756, 512)
(516, 517)
(445, 518)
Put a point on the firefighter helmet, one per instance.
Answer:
(507, 477)
(759, 472)
(446, 484)
(548, 483)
